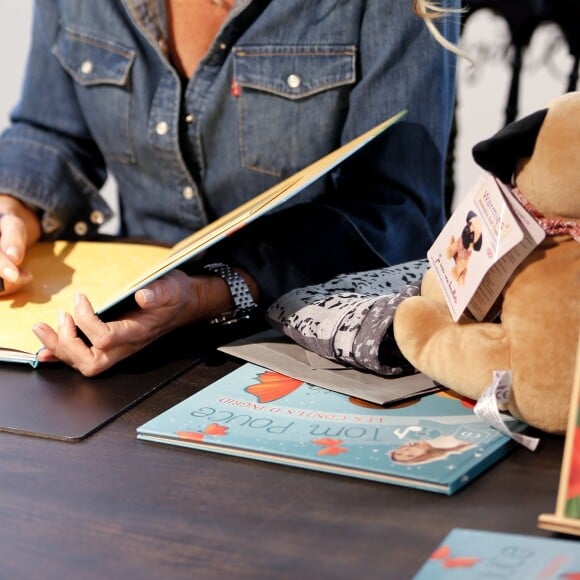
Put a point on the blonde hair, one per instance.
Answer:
(432, 11)
(430, 454)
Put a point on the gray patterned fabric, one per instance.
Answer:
(349, 318)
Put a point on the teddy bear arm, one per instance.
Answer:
(459, 355)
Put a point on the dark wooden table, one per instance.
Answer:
(111, 507)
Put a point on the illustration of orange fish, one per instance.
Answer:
(330, 446)
(332, 450)
(273, 386)
(443, 553)
(449, 394)
(211, 429)
(460, 562)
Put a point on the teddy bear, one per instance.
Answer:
(537, 333)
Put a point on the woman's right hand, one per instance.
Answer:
(19, 229)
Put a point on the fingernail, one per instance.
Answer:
(10, 273)
(61, 318)
(13, 252)
(148, 295)
(38, 330)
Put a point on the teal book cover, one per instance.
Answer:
(466, 554)
(435, 442)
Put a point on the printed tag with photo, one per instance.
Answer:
(485, 298)
(486, 238)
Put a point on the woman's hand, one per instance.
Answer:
(166, 304)
(19, 229)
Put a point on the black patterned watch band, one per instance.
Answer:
(243, 301)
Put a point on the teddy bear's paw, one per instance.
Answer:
(461, 356)
(417, 320)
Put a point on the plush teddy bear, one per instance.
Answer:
(538, 332)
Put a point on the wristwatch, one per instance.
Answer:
(243, 301)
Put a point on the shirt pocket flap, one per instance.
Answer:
(294, 72)
(93, 61)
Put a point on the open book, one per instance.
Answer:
(109, 272)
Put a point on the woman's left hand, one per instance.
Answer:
(166, 304)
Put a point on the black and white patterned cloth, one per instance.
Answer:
(349, 318)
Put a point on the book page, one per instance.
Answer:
(59, 270)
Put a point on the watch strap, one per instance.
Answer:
(243, 302)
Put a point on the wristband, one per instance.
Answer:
(243, 302)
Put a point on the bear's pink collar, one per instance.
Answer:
(552, 226)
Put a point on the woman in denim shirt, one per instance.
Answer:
(197, 106)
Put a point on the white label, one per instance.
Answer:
(484, 241)
(495, 398)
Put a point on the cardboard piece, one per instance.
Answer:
(275, 351)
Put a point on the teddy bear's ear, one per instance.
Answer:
(500, 153)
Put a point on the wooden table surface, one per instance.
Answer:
(111, 506)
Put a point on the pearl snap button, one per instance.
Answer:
(162, 128)
(81, 228)
(189, 118)
(97, 217)
(293, 81)
(87, 67)
(187, 192)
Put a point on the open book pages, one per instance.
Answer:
(109, 273)
(60, 269)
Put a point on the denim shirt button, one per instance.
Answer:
(293, 81)
(81, 229)
(189, 118)
(97, 217)
(162, 128)
(86, 67)
(223, 45)
(187, 192)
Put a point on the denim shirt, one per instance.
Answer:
(284, 82)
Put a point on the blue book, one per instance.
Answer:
(435, 442)
(466, 554)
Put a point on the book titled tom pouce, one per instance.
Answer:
(434, 443)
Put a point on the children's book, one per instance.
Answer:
(119, 271)
(466, 554)
(60, 269)
(567, 517)
(434, 442)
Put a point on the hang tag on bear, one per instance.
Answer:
(485, 240)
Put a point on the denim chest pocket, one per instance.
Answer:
(289, 99)
(101, 73)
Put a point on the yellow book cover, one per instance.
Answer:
(109, 272)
